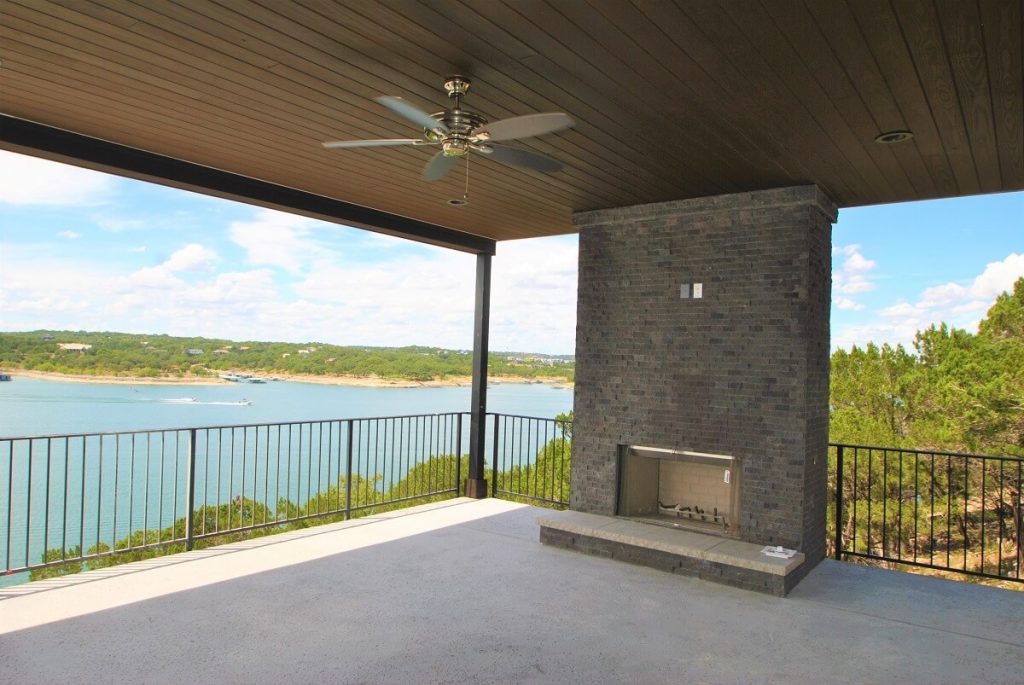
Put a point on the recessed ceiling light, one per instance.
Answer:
(890, 137)
(458, 202)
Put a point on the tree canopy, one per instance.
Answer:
(956, 391)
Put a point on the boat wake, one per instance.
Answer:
(192, 400)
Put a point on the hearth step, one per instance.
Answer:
(709, 557)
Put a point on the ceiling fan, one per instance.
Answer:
(460, 132)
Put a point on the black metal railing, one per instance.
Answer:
(531, 459)
(75, 498)
(939, 510)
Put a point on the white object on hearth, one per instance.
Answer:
(778, 551)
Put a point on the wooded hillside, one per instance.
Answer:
(123, 354)
(958, 391)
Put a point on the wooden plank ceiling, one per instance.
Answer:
(671, 100)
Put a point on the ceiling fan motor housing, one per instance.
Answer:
(459, 122)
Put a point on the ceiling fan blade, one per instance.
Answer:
(519, 157)
(410, 112)
(526, 126)
(374, 143)
(439, 166)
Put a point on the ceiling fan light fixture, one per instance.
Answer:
(459, 131)
(891, 137)
(455, 147)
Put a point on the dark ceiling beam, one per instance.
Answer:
(21, 135)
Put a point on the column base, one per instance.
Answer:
(476, 488)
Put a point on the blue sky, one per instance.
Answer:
(84, 250)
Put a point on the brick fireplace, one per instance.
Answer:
(703, 328)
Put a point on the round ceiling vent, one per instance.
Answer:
(890, 137)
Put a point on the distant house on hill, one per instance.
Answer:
(74, 347)
(193, 352)
(222, 352)
(303, 352)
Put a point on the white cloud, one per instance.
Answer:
(847, 304)
(419, 296)
(956, 304)
(26, 180)
(997, 277)
(192, 258)
(115, 225)
(849, 277)
(279, 239)
(70, 235)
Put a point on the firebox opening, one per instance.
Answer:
(680, 489)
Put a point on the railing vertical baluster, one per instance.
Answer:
(966, 488)
(160, 495)
(46, 507)
(494, 457)
(64, 509)
(348, 471)
(277, 475)
(917, 499)
(174, 492)
(99, 493)
(1002, 474)
(117, 479)
(28, 505)
(255, 469)
(931, 513)
(10, 498)
(266, 476)
(458, 454)
(981, 566)
(432, 463)
(81, 544)
(949, 508)
(131, 494)
(1019, 518)
(899, 521)
(885, 502)
(839, 504)
(190, 489)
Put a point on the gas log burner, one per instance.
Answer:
(680, 489)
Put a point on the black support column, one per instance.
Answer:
(476, 485)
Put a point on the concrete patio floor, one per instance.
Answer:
(462, 591)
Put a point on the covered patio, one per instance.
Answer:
(461, 591)
(713, 145)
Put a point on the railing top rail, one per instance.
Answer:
(185, 429)
(939, 453)
(532, 418)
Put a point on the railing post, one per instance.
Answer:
(494, 459)
(190, 489)
(476, 485)
(838, 545)
(348, 473)
(458, 454)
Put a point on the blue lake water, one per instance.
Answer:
(61, 492)
(35, 407)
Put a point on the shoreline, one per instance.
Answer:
(355, 381)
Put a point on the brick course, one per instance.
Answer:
(742, 371)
